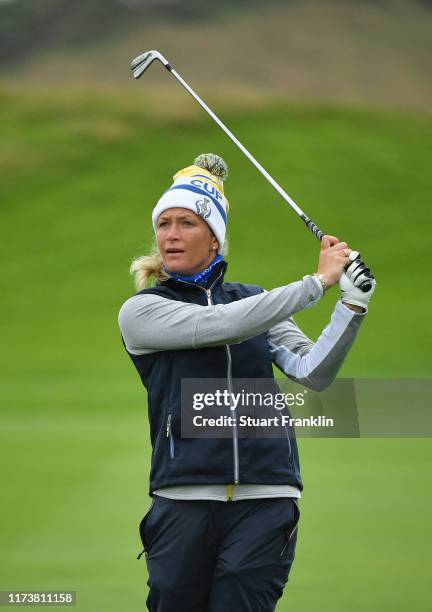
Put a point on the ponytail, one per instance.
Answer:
(148, 269)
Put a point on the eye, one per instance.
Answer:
(162, 224)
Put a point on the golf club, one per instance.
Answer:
(140, 64)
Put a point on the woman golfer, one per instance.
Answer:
(221, 531)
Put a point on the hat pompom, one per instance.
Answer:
(213, 164)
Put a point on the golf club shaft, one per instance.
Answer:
(314, 228)
(141, 63)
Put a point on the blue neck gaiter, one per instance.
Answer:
(200, 278)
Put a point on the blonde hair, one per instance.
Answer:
(148, 269)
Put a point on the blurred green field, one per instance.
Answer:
(80, 175)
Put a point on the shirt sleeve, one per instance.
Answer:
(314, 365)
(151, 323)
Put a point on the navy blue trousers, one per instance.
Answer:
(212, 556)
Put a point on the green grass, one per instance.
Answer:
(80, 175)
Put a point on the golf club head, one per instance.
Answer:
(140, 64)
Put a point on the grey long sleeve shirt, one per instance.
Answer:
(150, 323)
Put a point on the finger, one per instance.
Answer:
(343, 253)
(328, 241)
(342, 260)
(340, 246)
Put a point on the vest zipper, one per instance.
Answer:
(234, 427)
(228, 352)
(234, 414)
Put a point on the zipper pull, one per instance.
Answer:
(208, 291)
(168, 425)
(229, 492)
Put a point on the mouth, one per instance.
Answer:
(174, 251)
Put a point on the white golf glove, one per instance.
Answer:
(351, 279)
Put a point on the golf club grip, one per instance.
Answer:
(313, 228)
(366, 285)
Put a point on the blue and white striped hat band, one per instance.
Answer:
(200, 191)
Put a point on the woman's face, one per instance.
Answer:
(185, 241)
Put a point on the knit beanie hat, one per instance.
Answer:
(199, 188)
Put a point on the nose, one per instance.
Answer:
(172, 233)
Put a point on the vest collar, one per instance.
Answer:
(216, 278)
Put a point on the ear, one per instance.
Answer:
(214, 244)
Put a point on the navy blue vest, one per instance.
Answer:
(193, 461)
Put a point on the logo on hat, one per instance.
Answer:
(203, 207)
